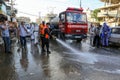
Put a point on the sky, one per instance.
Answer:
(34, 8)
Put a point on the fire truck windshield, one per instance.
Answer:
(76, 18)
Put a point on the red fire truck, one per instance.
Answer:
(71, 24)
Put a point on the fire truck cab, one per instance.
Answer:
(72, 24)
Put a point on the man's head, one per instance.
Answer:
(104, 24)
(22, 23)
(43, 22)
(31, 24)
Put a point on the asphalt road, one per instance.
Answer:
(68, 61)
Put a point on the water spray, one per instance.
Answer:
(83, 56)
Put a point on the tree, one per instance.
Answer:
(51, 16)
(95, 13)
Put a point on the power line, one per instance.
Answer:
(28, 13)
(64, 3)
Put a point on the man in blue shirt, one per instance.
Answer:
(105, 34)
(5, 35)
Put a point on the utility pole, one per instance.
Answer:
(39, 17)
(80, 4)
(12, 9)
(12, 6)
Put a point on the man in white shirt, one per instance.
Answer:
(22, 32)
(32, 32)
(36, 30)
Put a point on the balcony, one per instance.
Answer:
(110, 6)
(112, 13)
(112, 1)
(2, 12)
(102, 14)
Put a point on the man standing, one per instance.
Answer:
(22, 32)
(32, 32)
(105, 30)
(96, 41)
(36, 28)
(42, 35)
(91, 32)
(6, 36)
(45, 38)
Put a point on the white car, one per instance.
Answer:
(115, 36)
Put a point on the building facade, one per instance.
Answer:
(3, 11)
(110, 13)
(23, 19)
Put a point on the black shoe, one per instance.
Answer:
(42, 54)
(9, 52)
(98, 46)
(43, 51)
(18, 50)
(48, 52)
(93, 45)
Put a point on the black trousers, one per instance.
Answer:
(23, 41)
(45, 43)
(96, 41)
(7, 44)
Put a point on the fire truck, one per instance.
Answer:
(71, 24)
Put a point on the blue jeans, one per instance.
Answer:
(105, 41)
(23, 41)
(6, 44)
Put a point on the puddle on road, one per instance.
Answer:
(96, 59)
(84, 57)
(109, 71)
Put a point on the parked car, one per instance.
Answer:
(115, 36)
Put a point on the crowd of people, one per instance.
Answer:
(99, 35)
(41, 32)
(36, 32)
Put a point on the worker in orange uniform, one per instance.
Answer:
(41, 27)
(42, 34)
(46, 36)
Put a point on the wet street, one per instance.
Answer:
(68, 61)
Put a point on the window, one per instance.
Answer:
(116, 30)
(76, 17)
(62, 17)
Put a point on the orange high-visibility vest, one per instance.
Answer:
(41, 27)
(43, 32)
